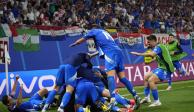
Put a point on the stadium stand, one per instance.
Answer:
(145, 16)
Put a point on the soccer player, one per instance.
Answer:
(164, 70)
(177, 54)
(112, 54)
(35, 103)
(11, 97)
(67, 74)
(99, 78)
(85, 90)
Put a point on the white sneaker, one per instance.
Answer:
(155, 103)
(169, 88)
(60, 109)
(145, 100)
(45, 108)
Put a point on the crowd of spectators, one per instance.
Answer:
(128, 15)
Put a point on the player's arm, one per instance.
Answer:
(13, 91)
(19, 99)
(152, 54)
(79, 41)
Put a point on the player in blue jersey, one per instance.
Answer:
(35, 103)
(112, 54)
(9, 100)
(86, 90)
(67, 74)
(164, 70)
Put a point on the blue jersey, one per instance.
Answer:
(67, 72)
(103, 41)
(35, 103)
(85, 90)
(108, 48)
(26, 106)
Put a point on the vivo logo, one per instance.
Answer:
(29, 82)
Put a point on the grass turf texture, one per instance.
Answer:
(179, 99)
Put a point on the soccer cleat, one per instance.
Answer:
(45, 108)
(137, 102)
(145, 100)
(169, 88)
(87, 109)
(129, 110)
(155, 103)
(60, 109)
(103, 107)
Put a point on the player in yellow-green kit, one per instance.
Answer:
(176, 53)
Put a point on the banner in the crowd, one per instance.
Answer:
(192, 40)
(50, 34)
(3, 41)
(112, 31)
(6, 30)
(74, 31)
(27, 40)
(129, 39)
(35, 80)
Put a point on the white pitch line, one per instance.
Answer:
(161, 90)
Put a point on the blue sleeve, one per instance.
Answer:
(90, 34)
(157, 50)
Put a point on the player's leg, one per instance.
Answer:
(152, 83)
(123, 101)
(50, 98)
(37, 99)
(59, 82)
(111, 81)
(178, 67)
(66, 97)
(119, 99)
(127, 83)
(130, 88)
(157, 76)
(81, 95)
(70, 82)
(169, 83)
(146, 99)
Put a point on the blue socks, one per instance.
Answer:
(65, 100)
(51, 97)
(146, 91)
(121, 100)
(111, 85)
(155, 94)
(169, 82)
(129, 86)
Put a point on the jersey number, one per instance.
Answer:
(107, 35)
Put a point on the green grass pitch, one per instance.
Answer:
(179, 99)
